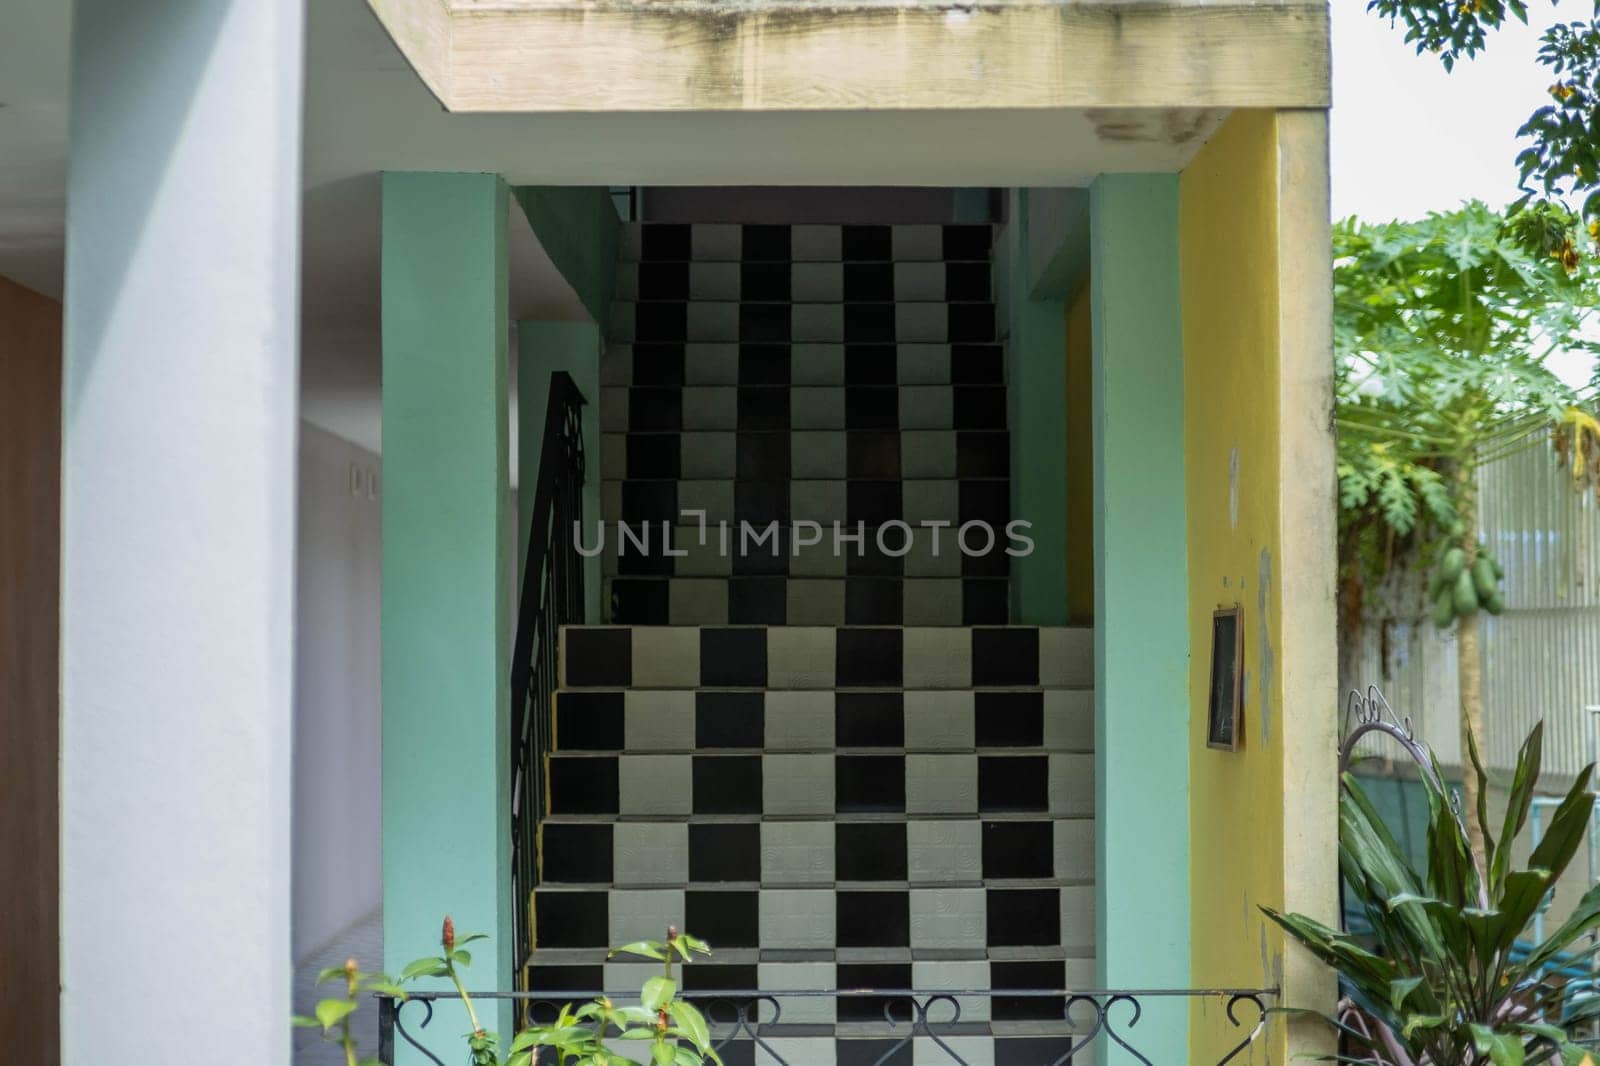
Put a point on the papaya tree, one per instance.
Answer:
(1445, 331)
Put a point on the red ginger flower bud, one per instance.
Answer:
(448, 938)
(672, 933)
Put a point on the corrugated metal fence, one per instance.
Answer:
(1541, 657)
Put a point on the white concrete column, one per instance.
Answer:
(178, 529)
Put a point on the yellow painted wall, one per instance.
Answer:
(1229, 269)
(1080, 457)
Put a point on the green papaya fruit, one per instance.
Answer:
(1466, 595)
(1499, 571)
(1444, 608)
(1455, 561)
(1483, 579)
(1435, 583)
(1495, 604)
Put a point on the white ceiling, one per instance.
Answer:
(367, 112)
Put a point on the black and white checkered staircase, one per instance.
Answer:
(883, 807)
(844, 374)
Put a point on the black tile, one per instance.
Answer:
(640, 601)
(733, 657)
(764, 323)
(764, 364)
(977, 364)
(985, 602)
(763, 407)
(869, 783)
(564, 979)
(871, 560)
(1018, 975)
(661, 321)
(986, 501)
(873, 920)
(653, 455)
(642, 549)
(1013, 783)
(649, 501)
(739, 1051)
(875, 1051)
(727, 784)
(872, 502)
(871, 364)
(873, 975)
(983, 454)
(869, 282)
(664, 281)
(717, 977)
(589, 721)
(1009, 719)
(869, 323)
(724, 919)
(1007, 656)
(769, 558)
(725, 851)
(970, 323)
(766, 243)
(758, 601)
(575, 853)
(571, 919)
(728, 720)
(966, 281)
(991, 560)
(873, 601)
(597, 657)
(866, 658)
(1018, 849)
(872, 243)
(763, 281)
(872, 407)
(658, 364)
(1031, 1050)
(869, 720)
(659, 240)
(583, 785)
(967, 241)
(872, 454)
(764, 456)
(979, 407)
(655, 410)
(760, 503)
(869, 851)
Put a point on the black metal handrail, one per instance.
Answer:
(1083, 1017)
(552, 596)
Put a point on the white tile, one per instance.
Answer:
(655, 784)
(817, 283)
(930, 500)
(817, 454)
(711, 364)
(713, 321)
(941, 784)
(799, 721)
(1066, 656)
(926, 322)
(937, 657)
(800, 657)
(939, 721)
(918, 242)
(622, 320)
(716, 241)
(928, 453)
(616, 365)
(923, 364)
(819, 408)
(708, 455)
(1071, 785)
(614, 410)
(650, 853)
(816, 364)
(665, 656)
(655, 721)
(919, 281)
(797, 919)
(951, 975)
(797, 852)
(714, 497)
(971, 1050)
(792, 1050)
(701, 560)
(797, 784)
(631, 235)
(949, 918)
(627, 978)
(644, 914)
(710, 407)
(814, 601)
(814, 243)
(926, 407)
(819, 561)
(610, 506)
(1068, 718)
(931, 601)
(944, 851)
(697, 601)
(613, 455)
(779, 976)
(817, 322)
(627, 287)
(1074, 847)
(1077, 919)
(823, 502)
(713, 281)
(922, 561)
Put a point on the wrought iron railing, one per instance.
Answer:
(552, 596)
(1077, 1019)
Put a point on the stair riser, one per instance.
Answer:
(829, 457)
(805, 282)
(802, 365)
(767, 408)
(670, 322)
(731, 242)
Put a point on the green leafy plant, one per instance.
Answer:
(1445, 983)
(333, 1014)
(482, 1045)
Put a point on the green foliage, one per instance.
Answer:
(1443, 983)
(332, 1015)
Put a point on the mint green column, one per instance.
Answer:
(446, 569)
(1141, 601)
(1036, 394)
(542, 349)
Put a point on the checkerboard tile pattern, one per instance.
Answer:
(847, 376)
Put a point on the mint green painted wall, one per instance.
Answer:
(1036, 363)
(1141, 599)
(579, 230)
(446, 569)
(543, 348)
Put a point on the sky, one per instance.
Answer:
(1406, 137)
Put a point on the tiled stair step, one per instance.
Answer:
(785, 322)
(825, 657)
(874, 550)
(881, 721)
(830, 456)
(732, 242)
(773, 601)
(926, 280)
(783, 408)
(871, 503)
(855, 365)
